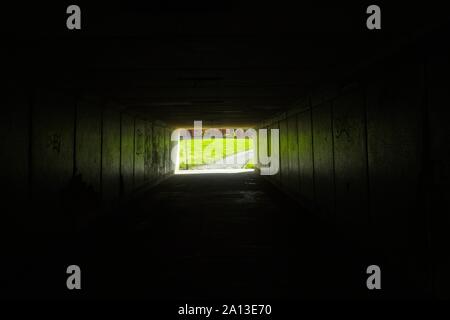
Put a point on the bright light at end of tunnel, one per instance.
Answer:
(216, 151)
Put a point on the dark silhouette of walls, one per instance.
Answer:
(365, 153)
(76, 153)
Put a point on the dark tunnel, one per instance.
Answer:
(88, 180)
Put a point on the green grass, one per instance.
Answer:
(197, 158)
(249, 166)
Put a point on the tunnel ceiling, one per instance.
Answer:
(226, 65)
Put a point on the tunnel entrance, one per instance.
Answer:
(214, 151)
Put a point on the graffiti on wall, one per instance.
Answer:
(54, 141)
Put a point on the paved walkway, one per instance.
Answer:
(234, 161)
(219, 236)
(210, 236)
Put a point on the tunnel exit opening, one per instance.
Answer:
(214, 151)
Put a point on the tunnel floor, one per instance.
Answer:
(209, 236)
(225, 236)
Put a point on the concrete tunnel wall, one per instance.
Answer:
(74, 158)
(363, 154)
